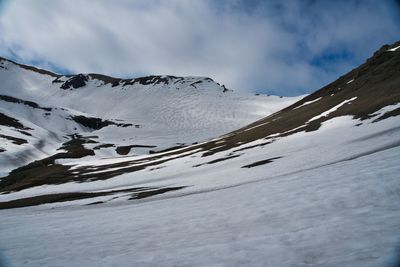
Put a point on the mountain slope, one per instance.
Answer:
(362, 103)
(345, 214)
(121, 116)
(315, 183)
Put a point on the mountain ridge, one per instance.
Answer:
(80, 79)
(123, 114)
(362, 97)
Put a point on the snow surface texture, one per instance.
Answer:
(162, 115)
(345, 217)
(337, 210)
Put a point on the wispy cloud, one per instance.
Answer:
(286, 47)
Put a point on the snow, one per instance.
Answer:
(337, 210)
(337, 139)
(166, 114)
(326, 113)
(47, 128)
(329, 198)
(352, 80)
(393, 49)
(346, 217)
(386, 109)
(308, 102)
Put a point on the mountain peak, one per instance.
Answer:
(81, 80)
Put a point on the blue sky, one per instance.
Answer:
(280, 47)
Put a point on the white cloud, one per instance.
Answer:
(247, 45)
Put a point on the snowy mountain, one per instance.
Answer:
(41, 110)
(313, 184)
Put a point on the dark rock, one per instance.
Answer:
(11, 122)
(20, 101)
(75, 81)
(124, 150)
(14, 140)
(97, 123)
(93, 123)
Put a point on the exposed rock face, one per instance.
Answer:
(80, 80)
(97, 123)
(76, 81)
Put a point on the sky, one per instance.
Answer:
(277, 47)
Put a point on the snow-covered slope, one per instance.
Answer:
(344, 214)
(314, 184)
(131, 116)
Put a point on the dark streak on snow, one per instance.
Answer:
(11, 122)
(136, 193)
(31, 104)
(14, 140)
(124, 150)
(217, 160)
(261, 162)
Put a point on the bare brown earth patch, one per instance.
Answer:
(395, 112)
(376, 84)
(46, 170)
(137, 193)
(167, 149)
